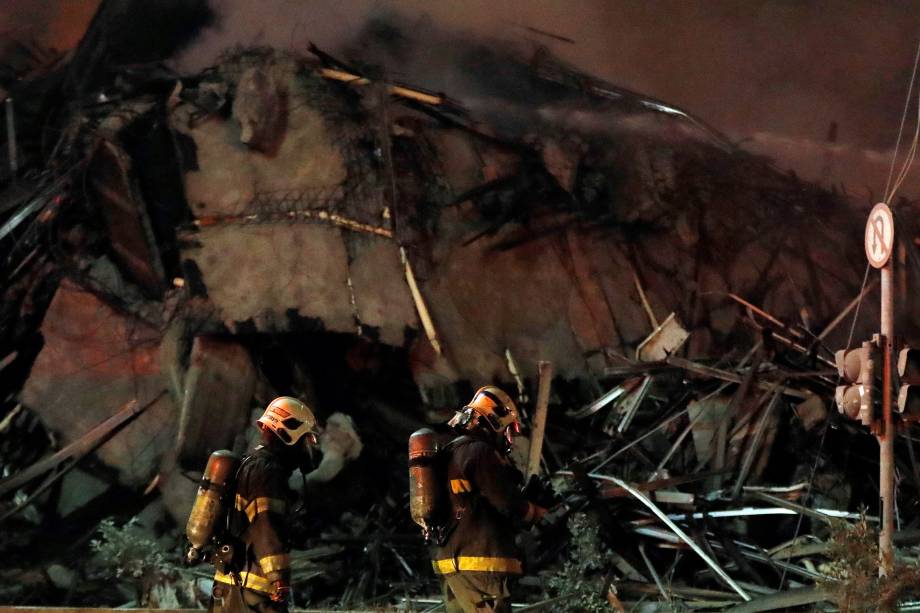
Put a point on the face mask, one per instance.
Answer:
(464, 419)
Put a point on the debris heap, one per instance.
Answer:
(182, 247)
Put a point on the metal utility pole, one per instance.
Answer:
(879, 243)
(886, 434)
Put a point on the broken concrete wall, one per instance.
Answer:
(552, 285)
(486, 302)
(94, 360)
(230, 174)
(290, 267)
(578, 240)
(271, 275)
(382, 304)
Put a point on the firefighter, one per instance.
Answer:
(478, 557)
(258, 576)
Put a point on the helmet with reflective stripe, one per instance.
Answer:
(492, 408)
(289, 419)
(496, 407)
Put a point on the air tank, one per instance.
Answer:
(210, 503)
(426, 490)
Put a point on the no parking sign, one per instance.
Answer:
(879, 235)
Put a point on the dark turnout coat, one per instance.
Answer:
(487, 508)
(258, 520)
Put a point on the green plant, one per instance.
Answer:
(128, 553)
(581, 581)
(853, 569)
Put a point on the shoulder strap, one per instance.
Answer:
(460, 440)
(230, 499)
(236, 478)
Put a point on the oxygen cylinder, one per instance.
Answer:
(209, 508)
(426, 491)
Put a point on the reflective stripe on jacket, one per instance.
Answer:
(250, 581)
(467, 564)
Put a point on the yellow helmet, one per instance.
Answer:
(289, 419)
(493, 408)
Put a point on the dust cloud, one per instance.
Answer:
(772, 74)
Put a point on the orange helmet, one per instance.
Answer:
(289, 419)
(491, 407)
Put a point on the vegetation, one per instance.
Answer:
(582, 581)
(855, 584)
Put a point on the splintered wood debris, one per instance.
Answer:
(292, 224)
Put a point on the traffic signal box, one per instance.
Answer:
(908, 404)
(858, 368)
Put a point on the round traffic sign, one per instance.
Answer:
(879, 235)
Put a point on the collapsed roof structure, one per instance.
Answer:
(295, 223)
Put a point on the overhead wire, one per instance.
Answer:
(908, 160)
(907, 99)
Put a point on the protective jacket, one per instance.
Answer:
(258, 522)
(487, 508)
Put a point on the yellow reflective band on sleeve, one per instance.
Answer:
(460, 486)
(250, 581)
(477, 564)
(264, 505)
(271, 564)
(240, 503)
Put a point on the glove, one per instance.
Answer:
(282, 592)
(534, 514)
(538, 513)
(556, 516)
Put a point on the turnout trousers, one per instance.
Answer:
(234, 599)
(476, 593)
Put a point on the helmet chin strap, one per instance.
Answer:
(506, 440)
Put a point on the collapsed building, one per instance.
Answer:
(178, 249)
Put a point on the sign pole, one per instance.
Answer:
(879, 242)
(886, 434)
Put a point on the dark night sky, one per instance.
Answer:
(773, 72)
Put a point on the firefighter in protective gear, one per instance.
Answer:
(257, 578)
(478, 557)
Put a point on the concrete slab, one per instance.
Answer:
(382, 297)
(95, 360)
(267, 276)
(217, 391)
(78, 487)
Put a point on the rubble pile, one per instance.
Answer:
(179, 249)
